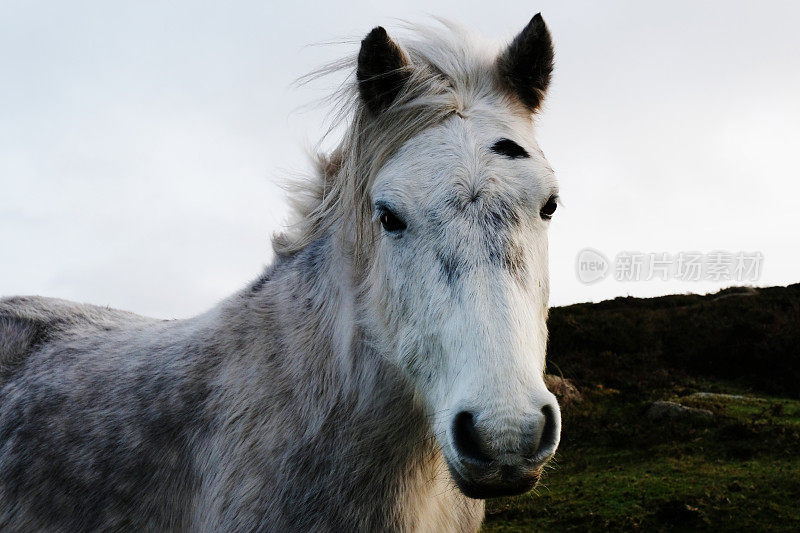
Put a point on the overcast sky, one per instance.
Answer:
(142, 144)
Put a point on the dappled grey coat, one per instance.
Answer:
(307, 401)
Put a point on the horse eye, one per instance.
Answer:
(549, 208)
(391, 222)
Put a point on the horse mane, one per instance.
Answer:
(447, 71)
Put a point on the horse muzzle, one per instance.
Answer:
(483, 470)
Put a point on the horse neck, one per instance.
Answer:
(302, 313)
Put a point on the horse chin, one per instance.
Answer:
(495, 482)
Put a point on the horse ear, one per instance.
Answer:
(525, 66)
(382, 71)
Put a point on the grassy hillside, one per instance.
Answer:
(738, 468)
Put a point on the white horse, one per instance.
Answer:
(386, 372)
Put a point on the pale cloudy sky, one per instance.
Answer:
(142, 143)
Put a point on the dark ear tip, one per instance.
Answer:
(537, 23)
(377, 34)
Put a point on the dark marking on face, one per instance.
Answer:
(506, 254)
(451, 267)
(496, 219)
(510, 149)
(514, 261)
(500, 215)
(500, 220)
(496, 212)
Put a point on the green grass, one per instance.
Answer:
(620, 471)
(617, 470)
(759, 410)
(635, 491)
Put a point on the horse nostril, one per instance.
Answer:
(467, 440)
(550, 432)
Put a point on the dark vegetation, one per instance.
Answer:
(618, 469)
